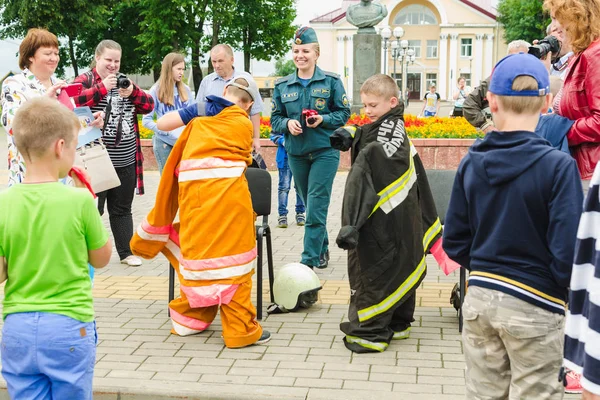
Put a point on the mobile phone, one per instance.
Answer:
(73, 89)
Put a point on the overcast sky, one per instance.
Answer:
(306, 10)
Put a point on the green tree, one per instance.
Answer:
(67, 19)
(173, 25)
(523, 19)
(261, 29)
(284, 67)
(122, 24)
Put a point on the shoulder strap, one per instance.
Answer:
(90, 79)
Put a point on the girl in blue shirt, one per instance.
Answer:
(169, 94)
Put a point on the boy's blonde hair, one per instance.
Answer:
(39, 123)
(522, 104)
(380, 85)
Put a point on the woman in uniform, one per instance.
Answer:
(307, 107)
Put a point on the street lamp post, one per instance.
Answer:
(386, 34)
(409, 57)
(470, 71)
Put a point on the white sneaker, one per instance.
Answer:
(132, 261)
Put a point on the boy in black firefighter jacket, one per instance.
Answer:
(389, 221)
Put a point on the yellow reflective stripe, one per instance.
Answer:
(370, 312)
(519, 285)
(367, 344)
(431, 233)
(396, 187)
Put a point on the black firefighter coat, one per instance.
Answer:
(388, 217)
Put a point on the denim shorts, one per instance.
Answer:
(48, 356)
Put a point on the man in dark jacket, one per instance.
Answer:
(389, 222)
(476, 108)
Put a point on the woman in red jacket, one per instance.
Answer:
(579, 98)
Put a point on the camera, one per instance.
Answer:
(549, 44)
(122, 81)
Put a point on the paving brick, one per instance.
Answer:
(453, 389)
(400, 370)
(271, 381)
(160, 367)
(319, 383)
(301, 365)
(291, 350)
(213, 378)
(115, 373)
(346, 375)
(168, 360)
(205, 369)
(373, 385)
(338, 359)
(179, 376)
(110, 365)
(284, 357)
(299, 373)
(333, 366)
(255, 364)
(441, 372)
(441, 380)
(440, 349)
(417, 388)
(392, 377)
(124, 358)
(154, 352)
(251, 371)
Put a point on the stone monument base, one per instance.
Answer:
(366, 63)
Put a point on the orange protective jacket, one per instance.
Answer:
(213, 247)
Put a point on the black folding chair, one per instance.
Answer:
(259, 183)
(441, 182)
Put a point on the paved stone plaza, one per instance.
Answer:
(137, 357)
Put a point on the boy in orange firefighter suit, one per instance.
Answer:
(213, 247)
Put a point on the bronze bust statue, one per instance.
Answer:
(366, 15)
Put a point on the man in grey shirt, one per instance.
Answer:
(221, 57)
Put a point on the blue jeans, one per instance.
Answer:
(161, 152)
(285, 180)
(48, 356)
(314, 174)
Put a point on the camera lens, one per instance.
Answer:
(123, 82)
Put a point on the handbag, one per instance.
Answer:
(94, 158)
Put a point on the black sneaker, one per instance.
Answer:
(324, 260)
(264, 338)
(300, 219)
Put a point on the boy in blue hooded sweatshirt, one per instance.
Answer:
(512, 222)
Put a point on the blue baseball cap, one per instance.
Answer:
(515, 65)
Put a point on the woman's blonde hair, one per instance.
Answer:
(103, 46)
(166, 94)
(579, 18)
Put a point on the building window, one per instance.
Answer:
(415, 15)
(467, 79)
(466, 47)
(432, 49)
(430, 79)
(416, 46)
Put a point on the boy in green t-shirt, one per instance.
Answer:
(48, 234)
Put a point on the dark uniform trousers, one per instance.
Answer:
(381, 328)
(314, 174)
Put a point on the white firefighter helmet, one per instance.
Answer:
(295, 285)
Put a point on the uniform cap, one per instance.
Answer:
(515, 65)
(305, 35)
